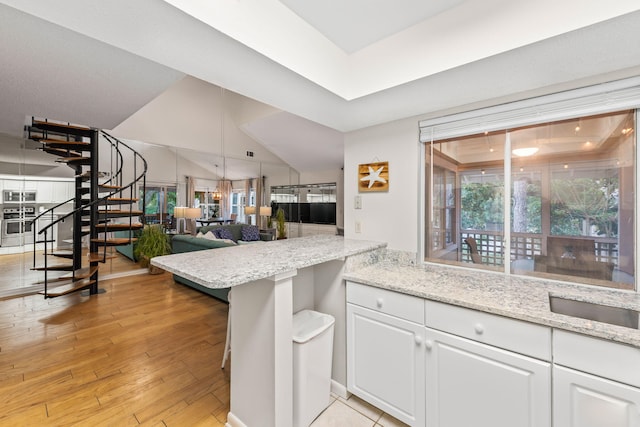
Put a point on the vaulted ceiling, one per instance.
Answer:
(330, 67)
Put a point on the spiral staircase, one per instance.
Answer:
(107, 173)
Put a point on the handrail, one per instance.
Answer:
(101, 199)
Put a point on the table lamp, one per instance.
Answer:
(248, 211)
(179, 213)
(191, 214)
(265, 211)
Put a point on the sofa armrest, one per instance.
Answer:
(185, 243)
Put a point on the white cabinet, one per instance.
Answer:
(385, 353)
(583, 400)
(44, 191)
(473, 384)
(50, 191)
(485, 370)
(62, 191)
(596, 382)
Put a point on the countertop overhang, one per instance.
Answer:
(236, 265)
(516, 297)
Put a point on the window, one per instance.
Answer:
(553, 200)
(160, 200)
(208, 204)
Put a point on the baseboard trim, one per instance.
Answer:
(233, 421)
(339, 389)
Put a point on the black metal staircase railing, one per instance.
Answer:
(96, 205)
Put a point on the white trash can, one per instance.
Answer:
(312, 359)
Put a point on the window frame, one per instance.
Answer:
(621, 95)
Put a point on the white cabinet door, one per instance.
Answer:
(62, 191)
(385, 363)
(44, 191)
(473, 384)
(583, 400)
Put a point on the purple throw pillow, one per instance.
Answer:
(223, 233)
(250, 233)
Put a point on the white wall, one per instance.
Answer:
(189, 115)
(390, 216)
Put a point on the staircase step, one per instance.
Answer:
(68, 288)
(64, 128)
(115, 201)
(55, 267)
(100, 256)
(118, 213)
(81, 273)
(122, 226)
(61, 152)
(109, 186)
(62, 254)
(79, 160)
(119, 200)
(113, 241)
(64, 144)
(84, 175)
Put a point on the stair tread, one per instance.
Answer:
(74, 159)
(117, 241)
(120, 226)
(119, 212)
(123, 199)
(62, 253)
(99, 257)
(38, 123)
(54, 267)
(63, 142)
(68, 288)
(81, 273)
(60, 152)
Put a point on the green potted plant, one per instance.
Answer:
(152, 242)
(280, 224)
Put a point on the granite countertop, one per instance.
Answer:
(516, 297)
(236, 265)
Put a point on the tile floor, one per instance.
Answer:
(354, 412)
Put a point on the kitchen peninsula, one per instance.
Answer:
(270, 282)
(427, 344)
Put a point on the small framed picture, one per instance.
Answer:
(373, 177)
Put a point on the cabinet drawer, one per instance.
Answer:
(393, 303)
(596, 356)
(510, 334)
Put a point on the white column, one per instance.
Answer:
(262, 353)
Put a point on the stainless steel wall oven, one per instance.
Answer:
(17, 226)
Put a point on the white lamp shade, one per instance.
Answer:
(249, 210)
(179, 212)
(265, 210)
(192, 213)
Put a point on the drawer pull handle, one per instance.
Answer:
(479, 329)
(418, 339)
(428, 344)
(379, 302)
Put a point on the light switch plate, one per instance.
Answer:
(358, 202)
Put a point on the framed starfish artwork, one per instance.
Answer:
(373, 177)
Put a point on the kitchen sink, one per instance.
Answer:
(592, 311)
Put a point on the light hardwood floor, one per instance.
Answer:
(17, 278)
(147, 352)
